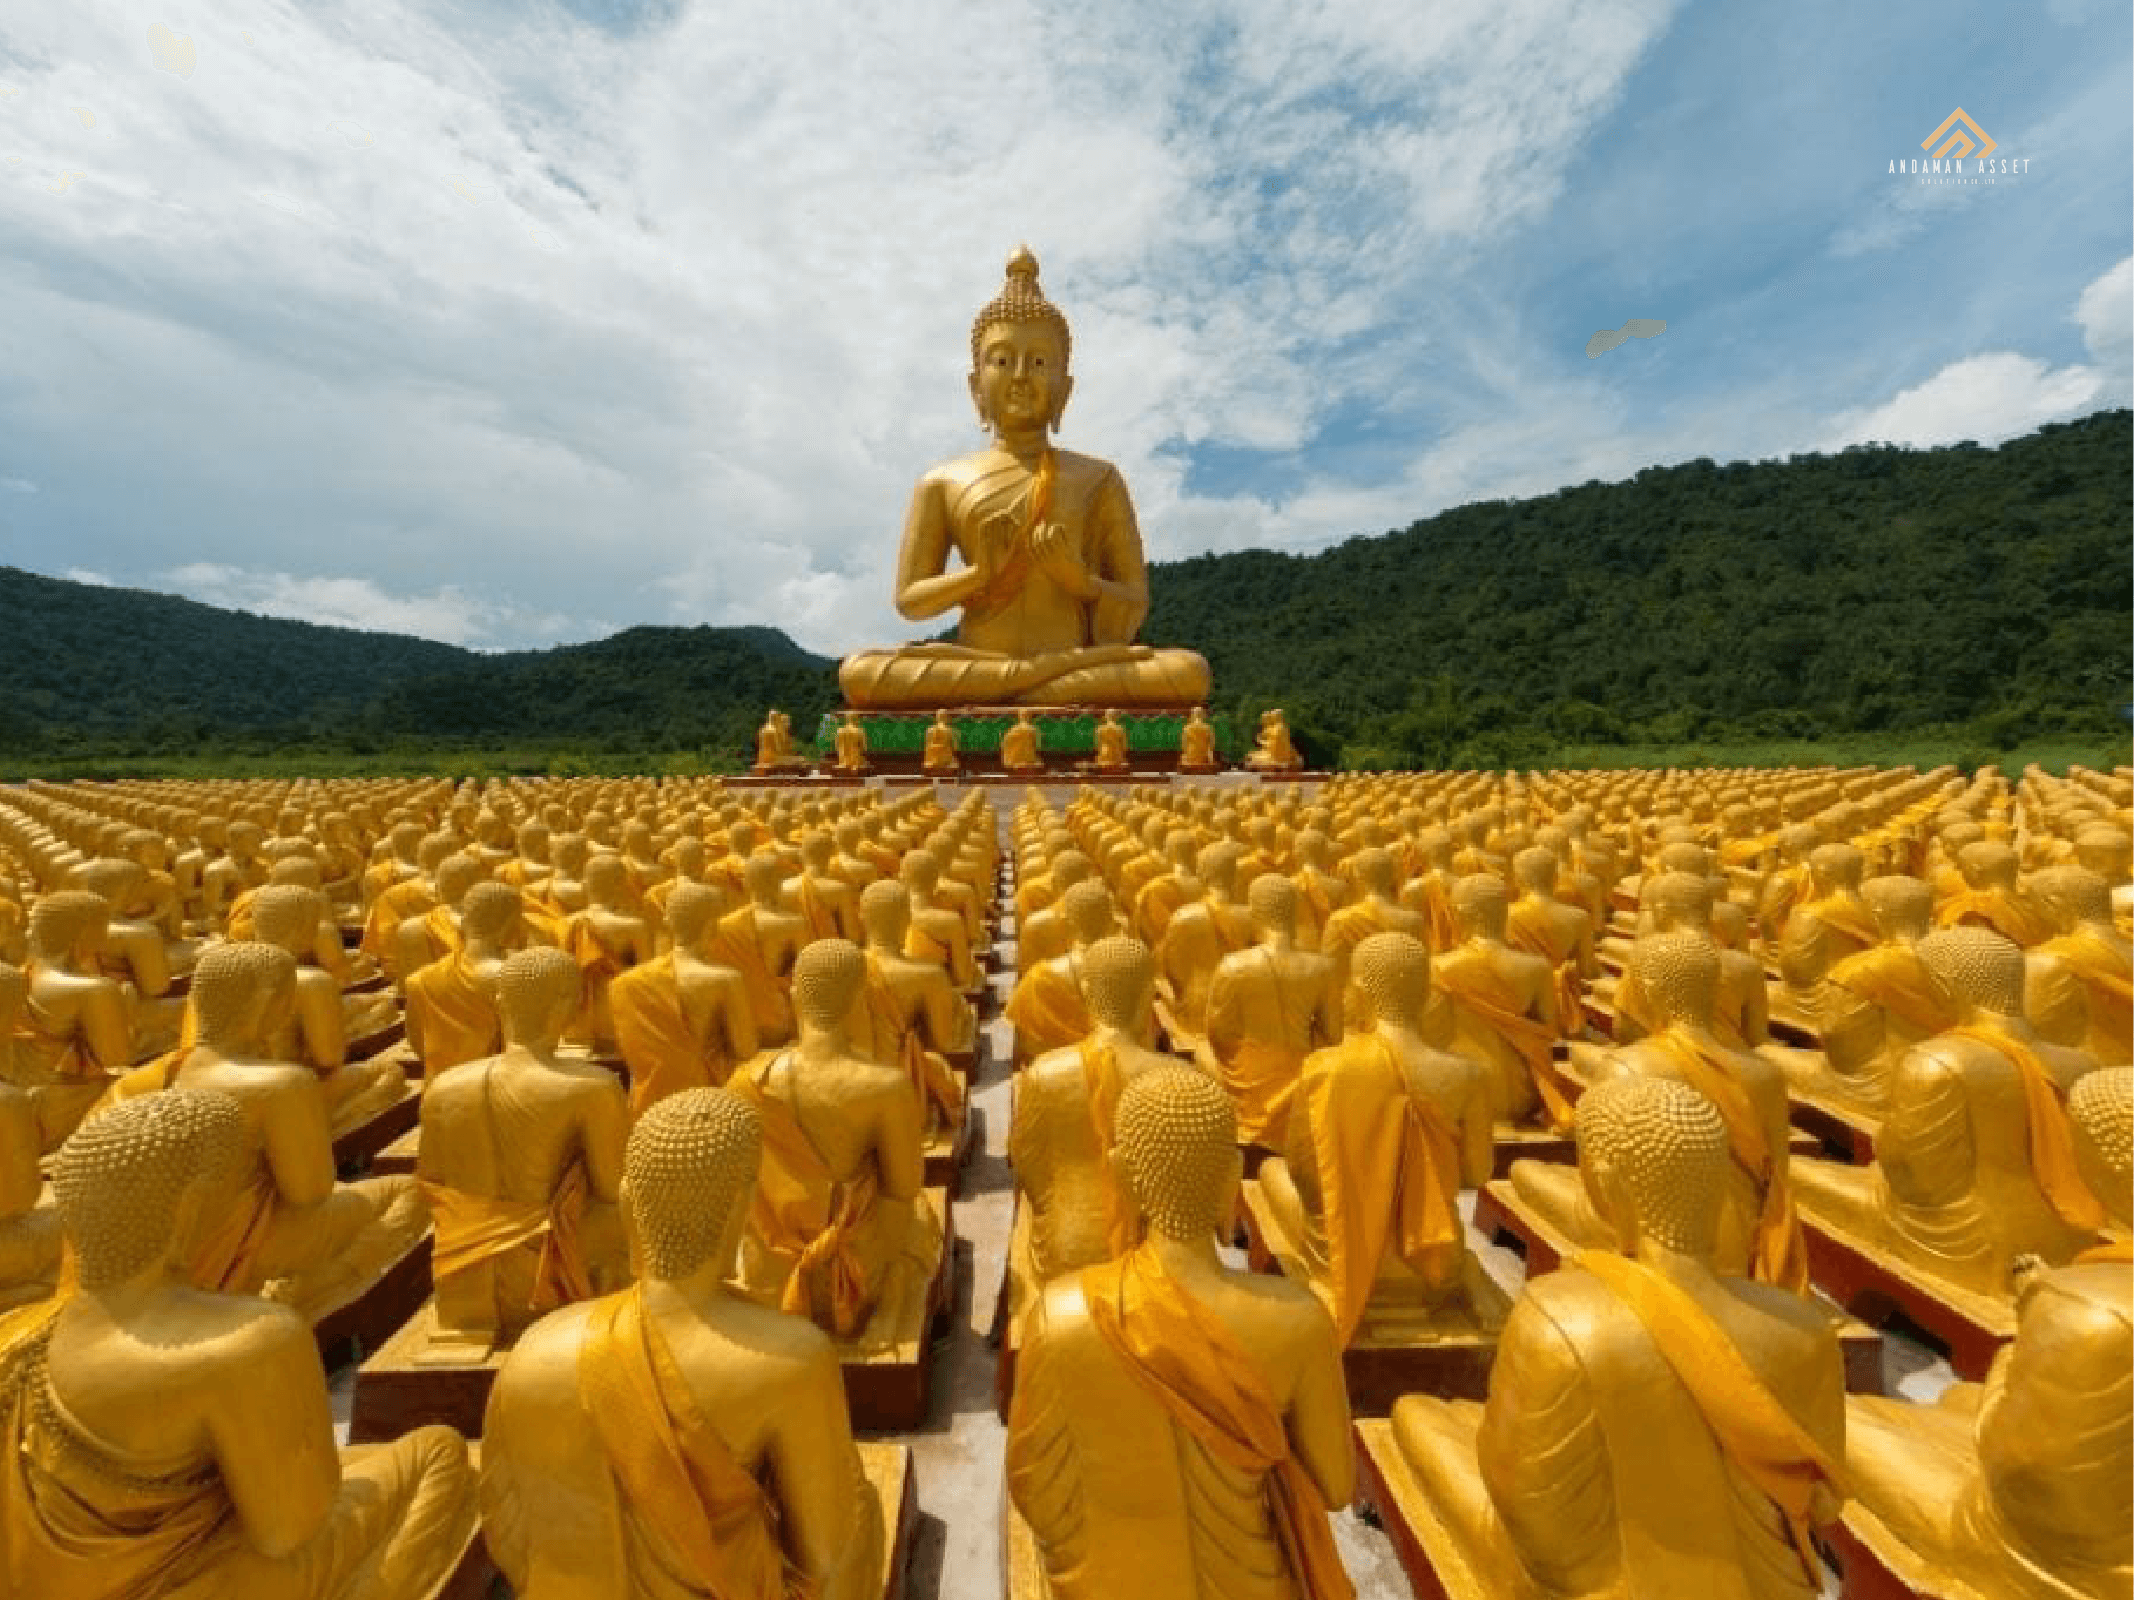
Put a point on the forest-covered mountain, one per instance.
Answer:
(1872, 592)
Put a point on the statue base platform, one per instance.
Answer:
(1006, 1333)
(889, 1391)
(372, 1045)
(398, 1158)
(1790, 1025)
(1845, 1133)
(368, 1321)
(354, 1150)
(1501, 1215)
(785, 778)
(896, 1488)
(1394, 1352)
(1428, 1553)
(1875, 1286)
(1288, 774)
(1067, 738)
(397, 1390)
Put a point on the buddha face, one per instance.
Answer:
(1021, 383)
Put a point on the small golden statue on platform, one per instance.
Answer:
(1274, 751)
(774, 747)
(1053, 586)
(943, 753)
(851, 746)
(1020, 746)
(1196, 743)
(1111, 753)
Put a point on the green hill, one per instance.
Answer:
(1981, 596)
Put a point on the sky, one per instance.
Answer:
(516, 322)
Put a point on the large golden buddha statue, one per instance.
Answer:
(675, 1439)
(1180, 1427)
(1655, 1425)
(1053, 586)
(162, 1439)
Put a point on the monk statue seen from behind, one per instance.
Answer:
(676, 1439)
(1052, 583)
(162, 1439)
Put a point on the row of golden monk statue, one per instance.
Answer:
(687, 1071)
(1022, 746)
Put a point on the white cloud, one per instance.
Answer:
(1986, 398)
(447, 613)
(84, 575)
(2106, 314)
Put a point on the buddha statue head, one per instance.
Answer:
(1480, 905)
(537, 995)
(1987, 864)
(131, 1181)
(1977, 969)
(1652, 1155)
(1372, 869)
(242, 994)
(1680, 975)
(1535, 870)
(1272, 901)
(1393, 971)
(1088, 910)
(693, 913)
(1174, 1148)
(492, 916)
(1119, 984)
(1019, 353)
(2101, 1106)
(827, 975)
(763, 875)
(1903, 908)
(68, 927)
(688, 1171)
(288, 915)
(1678, 900)
(885, 914)
(1070, 867)
(1835, 867)
(2071, 896)
(2105, 849)
(607, 880)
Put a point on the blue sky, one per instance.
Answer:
(515, 324)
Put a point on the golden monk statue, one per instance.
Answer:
(607, 938)
(1374, 909)
(2079, 982)
(1273, 750)
(913, 1017)
(1020, 746)
(324, 1019)
(2022, 1486)
(826, 903)
(280, 1224)
(675, 1439)
(840, 1229)
(683, 1020)
(942, 752)
(774, 745)
(1993, 897)
(1060, 1142)
(1196, 743)
(158, 1439)
(1758, 1235)
(1497, 1005)
(76, 1027)
(850, 746)
(451, 1012)
(1053, 585)
(29, 1233)
(1681, 902)
(1112, 755)
(939, 933)
(1180, 1427)
(1542, 923)
(1384, 1132)
(759, 940)
(520, 1160)
(1655, 1426)
(1828, 924)
(1974, 1163)
(1269, 1007)
(1048, 1006)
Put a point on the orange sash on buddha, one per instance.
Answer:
(1047, 1009)
(473, 1228)
(453, 1014)
(1207, 1384)
(768, 999)
(2103, 969)
(2007, 915)
(800, 1210)
(1441, 929)
(1849, 917)
(1779, 1253)
(1367, 1128)
(1013, 565)
(1535, 1041)
(1754, 1431)
(1532, 936)
(1894, 978)
(62, 1052)
(653, 1032)
(2113, 1252)
(817, 913)
(409, 897)
(925, 1072)
(680, 1481)
(237, 917)
(225, 1249)
(597, 964)
(2052, 1132)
